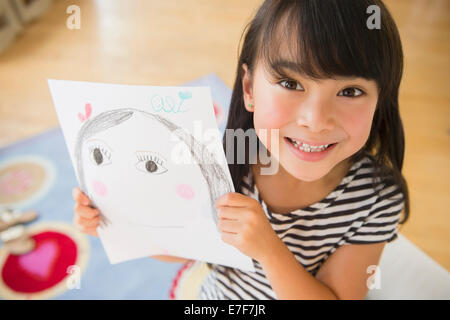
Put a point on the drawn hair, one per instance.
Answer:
(326, 39)
(212, 172)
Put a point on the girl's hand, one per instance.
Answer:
(245, 226)
(86, 219)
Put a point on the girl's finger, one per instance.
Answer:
(80, 197)
(88, 230)
(229, 238)
(87, 223)
(234, 199)
(229, 226)
(91, 231)
(85, 212)
(230, 213)
(82, 225)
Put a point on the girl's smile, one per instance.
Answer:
(309, 151)
(320, 123)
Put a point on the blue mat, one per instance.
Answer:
(138, 279)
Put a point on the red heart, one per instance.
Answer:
(42, 268)
(81, 117)
(88, 110)
(87, 113)
(40, 262)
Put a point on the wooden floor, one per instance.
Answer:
(170, 42)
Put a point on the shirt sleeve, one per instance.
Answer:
(382, 222)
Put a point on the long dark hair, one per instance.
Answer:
(330, 38)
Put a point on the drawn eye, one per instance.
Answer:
(99, 153)
(151, 163)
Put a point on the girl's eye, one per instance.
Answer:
(150, 163)
(291, 85)
(99, 153)
(351, 92)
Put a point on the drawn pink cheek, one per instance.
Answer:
(99, 188)
(185, 191)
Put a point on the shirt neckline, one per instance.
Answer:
(325, 202)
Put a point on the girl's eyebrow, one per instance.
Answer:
(292, 67)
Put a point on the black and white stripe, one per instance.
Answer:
(354, 213)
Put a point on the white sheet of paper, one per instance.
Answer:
(151, 160)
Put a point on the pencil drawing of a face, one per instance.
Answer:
(138, 173)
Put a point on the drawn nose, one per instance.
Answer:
(99, 188)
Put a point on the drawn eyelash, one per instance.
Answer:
(151, 157)
(150, 163)
(104, 151)
(99, 153)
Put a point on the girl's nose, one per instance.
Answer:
(316, 115)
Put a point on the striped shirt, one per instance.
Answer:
(354, 213)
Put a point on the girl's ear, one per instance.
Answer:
(247, 88)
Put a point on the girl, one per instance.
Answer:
(314, 72)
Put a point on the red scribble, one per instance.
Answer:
(88, 110)
(87, 113)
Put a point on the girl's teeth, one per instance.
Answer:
(307, 148)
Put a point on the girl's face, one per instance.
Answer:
(320, 123)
